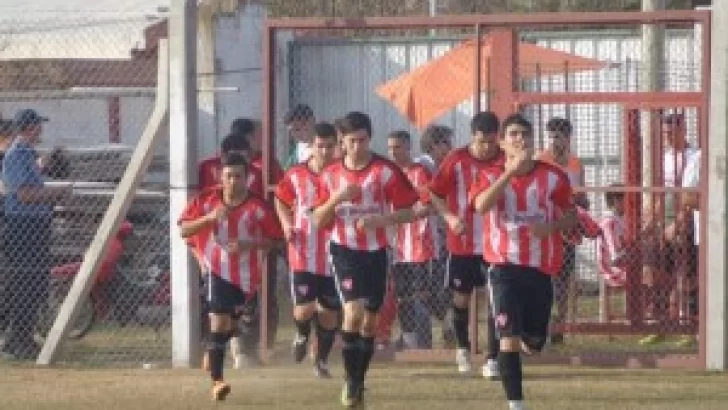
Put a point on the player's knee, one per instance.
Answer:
(510, 344)
(220, 323)
(304, 312)
(369, 323)
(533, 344)
(461, 299)
(328, 319)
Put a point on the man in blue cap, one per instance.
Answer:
(28, 213)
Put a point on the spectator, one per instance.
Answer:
(559, 131)
(28, 213)
(671, 252)
(299, 122)
(435, 144)
(611, 248)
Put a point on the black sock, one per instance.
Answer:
(304, 328)
(509, 364)
(366, 346)
(493, 342)
(461, 319)
(325, 343)
(350, 352)
(216, 352)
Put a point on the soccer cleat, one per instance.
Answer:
(462, 359)
(300, 346)
(321, 370)
(516, 405)
(651, 340)
(220, 391)
(351, 395)
(490, 370)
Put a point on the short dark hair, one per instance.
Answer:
(243, 126)
(324, 130)
(560, 125)
(401, 135)
(234, 142)
(355, 121)
(486, 122)
(234, 159)
(517, 119)
(611, 197)
(298, 112)
(434, 134)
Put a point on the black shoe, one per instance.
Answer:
(300, 348)
(321, 370)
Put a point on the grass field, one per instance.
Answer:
(390, 387)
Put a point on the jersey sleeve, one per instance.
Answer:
(482, 182)
(285, 192)
(444, 180)
(269, 223)
(193, 210)
(399, 191)
(562, 195)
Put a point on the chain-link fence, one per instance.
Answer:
(610, 304)
(76, 92)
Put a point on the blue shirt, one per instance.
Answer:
(21, 170)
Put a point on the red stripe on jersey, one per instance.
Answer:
(415, 241)
(383, 187)
(538, 197)
(307, 251)
(250, 221)
(458, 172)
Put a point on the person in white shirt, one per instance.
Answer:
(670, 264)
(300, 123)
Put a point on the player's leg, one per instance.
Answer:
(373, 292)
(349, 268)
(329, 308)
(303, 293)
(402, 293)
(225, 301)
(460, 271)
(507, 307)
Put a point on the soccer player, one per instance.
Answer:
(360, 196)
(230, 230)
(525, 205)
(312, 285)
(465, 266)
(559, 132)
(413, 254)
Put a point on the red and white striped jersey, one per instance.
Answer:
(384, 187)
(458, 172)
(415, 241)
(538, 197)
(307, 250)
(251, 220)
(611, 251)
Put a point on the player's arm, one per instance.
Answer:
(486, 194)
(402, 197)
(563, 199)
(193, 220)
(323, 214)
(284, 198)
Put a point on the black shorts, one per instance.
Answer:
(307, 287)
(463, 273)
(521, 299)
(411, 280)
(223, 297)
(360, 275)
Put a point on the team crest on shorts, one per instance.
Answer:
(303, 289)
(347, 283)
(457, 281)
(501, 320)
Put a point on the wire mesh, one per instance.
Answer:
(76, 92)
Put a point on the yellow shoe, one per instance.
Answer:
(686, 341)
(220, 391)
(651, 340)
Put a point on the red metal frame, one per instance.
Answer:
(507, 98)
